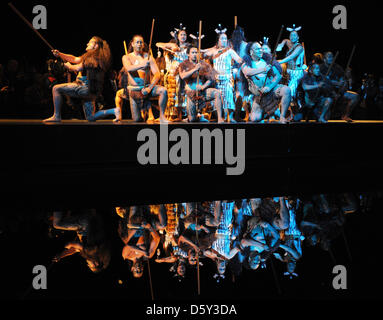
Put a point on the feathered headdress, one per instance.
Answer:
(218, 277)
(265, 41)
(175, 31)
(293, 28)
(173, 269)
(196, 37)
(290, 274)
(219, 30)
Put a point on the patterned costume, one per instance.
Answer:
(224, 81)
(295, 69)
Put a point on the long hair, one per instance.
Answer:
(99, 58)
(237, 37)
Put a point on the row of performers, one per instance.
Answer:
(232, 76)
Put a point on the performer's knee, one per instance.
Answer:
(163, 92)
(286, 92)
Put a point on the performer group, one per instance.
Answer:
(233, 81)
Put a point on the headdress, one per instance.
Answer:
(196, 37)
(265, 41)
(293, 28)
(219, 30)
(290, 274)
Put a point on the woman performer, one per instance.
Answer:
(175, 54)
(223, 56)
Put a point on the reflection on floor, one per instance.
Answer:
(209, 247)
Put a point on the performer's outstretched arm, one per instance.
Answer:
(129, 67)
(74, 67)
(67, 57)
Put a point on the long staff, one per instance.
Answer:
(149, 53)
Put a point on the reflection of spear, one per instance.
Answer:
(150, 280)
(198, 276)
(30, 25)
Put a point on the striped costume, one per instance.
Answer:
(225, 81)
(295, 69)
(224, 229)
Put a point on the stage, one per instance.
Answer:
(91, 164)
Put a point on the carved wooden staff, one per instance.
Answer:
(150, 280)
(126, 50)
(304, 56)
(30, 25)
(198, 56)
(341, 90)
(235, 22)
(350, 58)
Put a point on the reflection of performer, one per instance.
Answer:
(223, 56)
(89, 83)
(189, 71)
(317, 92)
(136, 64)
(263, 80)
(294, 59)
(243, 97)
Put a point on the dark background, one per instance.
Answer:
(71, 24)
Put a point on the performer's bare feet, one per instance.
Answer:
(347, 119)
(117, 114)
(52, 119)
(283, 120)
(322, 120)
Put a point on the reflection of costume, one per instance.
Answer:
(224, 82)
(224, 229)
